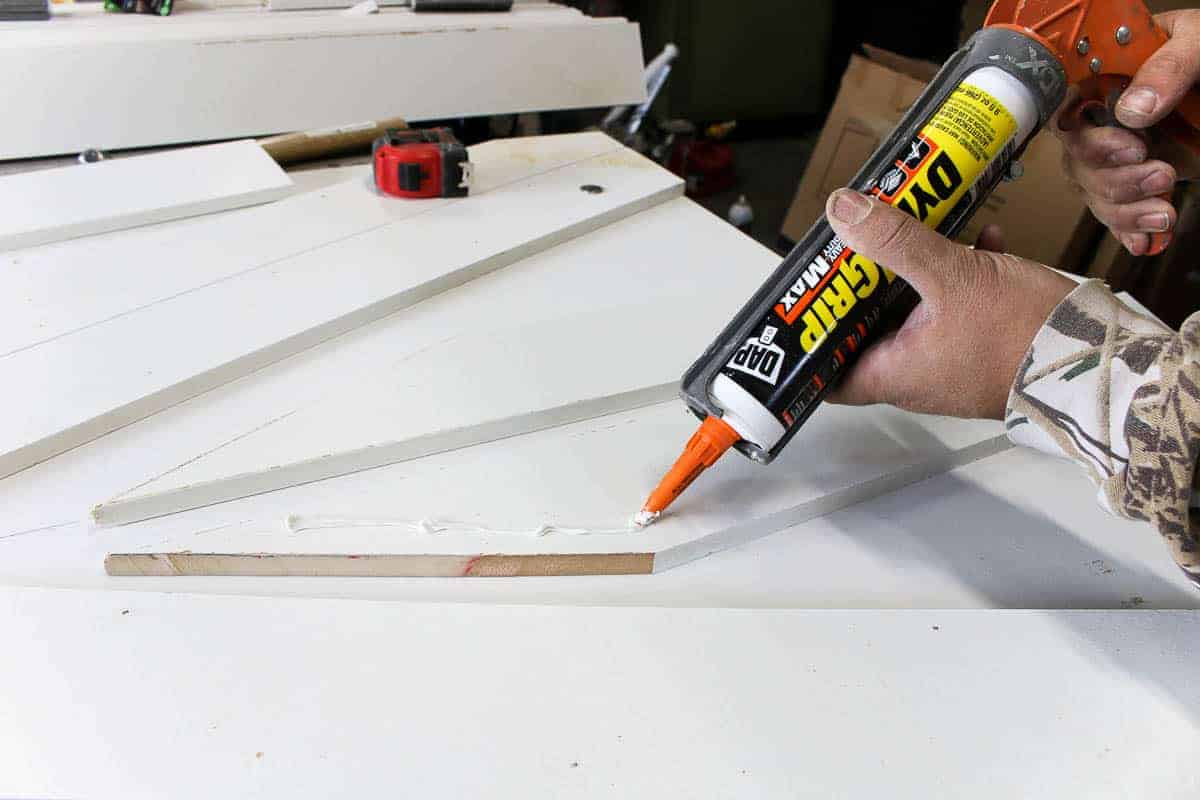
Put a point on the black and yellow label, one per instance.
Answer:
(941, 164)
(823, 309)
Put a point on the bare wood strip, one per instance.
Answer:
(290, 148)
(490, 565)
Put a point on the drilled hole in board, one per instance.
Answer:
(591, 188)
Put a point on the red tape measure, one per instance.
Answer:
(421, 163)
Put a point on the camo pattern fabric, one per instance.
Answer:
(1118, 393)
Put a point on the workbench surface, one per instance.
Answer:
(141, 695)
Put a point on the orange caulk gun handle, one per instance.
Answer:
(1101, 44)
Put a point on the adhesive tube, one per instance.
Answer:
(780, 373)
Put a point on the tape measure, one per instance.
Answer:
(421, 163)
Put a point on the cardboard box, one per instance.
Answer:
(1042, 215)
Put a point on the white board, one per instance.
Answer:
(250, 73)
(592, 475)
(113, 694)
(470, 388)
(79, 200)
(94, 379)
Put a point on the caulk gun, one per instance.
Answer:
(771, 366)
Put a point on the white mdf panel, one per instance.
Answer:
(84, 199)
(249, 72)
(112, 694)
(590, 475)
(96, 379)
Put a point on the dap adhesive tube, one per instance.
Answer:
(809, 330)
(769, 369)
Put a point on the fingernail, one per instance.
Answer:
(1157, 183)
(849, 206)
(1138, 102)
(1127, 157)
(1154, 223)
(1134, 243)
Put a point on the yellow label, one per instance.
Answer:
(948, 155)
(927, 180)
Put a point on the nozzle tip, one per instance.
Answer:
(644, 518)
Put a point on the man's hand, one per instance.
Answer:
(958, 352)
(1113, 167)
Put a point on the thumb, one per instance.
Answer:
(991, 239)
(893, 239)
(1166, 76)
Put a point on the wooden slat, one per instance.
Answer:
(377, 565)
(292, 148)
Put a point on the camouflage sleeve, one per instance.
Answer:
(1118, 393)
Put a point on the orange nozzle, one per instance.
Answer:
(702, 451)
